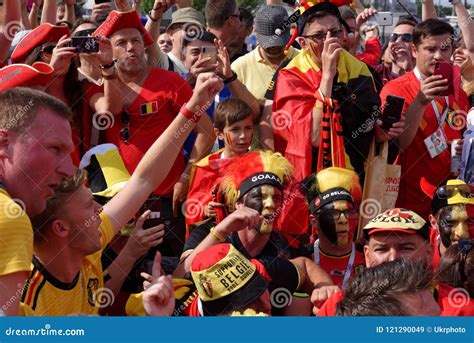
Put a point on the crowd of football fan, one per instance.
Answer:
(181, 170)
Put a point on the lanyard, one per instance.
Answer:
(439, 118)
(347, 273)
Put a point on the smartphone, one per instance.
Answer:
(155, 205)
(383, 18)
(392, 111)
(85, 44)
(445, 69)
(101, 1)
(209, 51)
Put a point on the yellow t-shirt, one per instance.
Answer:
(256, 73)
(16, 237)
(44, 295)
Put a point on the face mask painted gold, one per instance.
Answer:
(265, 199)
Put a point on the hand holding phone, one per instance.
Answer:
(392, 111)
(85, 44)
(445, 69)
(209, 51)
(155, 206)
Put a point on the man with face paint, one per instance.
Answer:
(252, 188)
(255, 190)
(334, 217)
(452, 215)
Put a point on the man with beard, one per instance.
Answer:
(257, 68)
(452, 215)
(152, 97)
(334, 216)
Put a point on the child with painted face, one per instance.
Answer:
(332, 195)
(452, 215)
(233, 125)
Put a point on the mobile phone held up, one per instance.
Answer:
(209, 51)
(153, 204)
(85, 44)
(392, 111)
(383, 18)
(445, 69)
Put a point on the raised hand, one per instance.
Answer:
(158, 298)
(241, 219)
(62, 55)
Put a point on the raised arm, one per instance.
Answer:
(10, 15)
(50, 9)
(428, 10)
(467, 26)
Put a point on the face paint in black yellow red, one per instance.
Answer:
(456, 222)
(265, 199)
(339, 232)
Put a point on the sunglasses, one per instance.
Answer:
(447, 191)
(321, 36)
(350, 213)
(406, 37)
(125, 131)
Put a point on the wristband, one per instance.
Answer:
(150, 17)
(231, 79)
(187, 113)
(216, 236)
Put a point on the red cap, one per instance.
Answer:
(123, 20)
(23, 75)
(42, 34)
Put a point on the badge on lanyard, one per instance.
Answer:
(436, 143)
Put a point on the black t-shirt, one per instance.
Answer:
(277, 245)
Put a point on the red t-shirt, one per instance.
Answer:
(162, 95)
(336, 266)
(415, 160)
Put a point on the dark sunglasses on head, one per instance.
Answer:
(125, 131)
(447, 191)
(406, 37)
